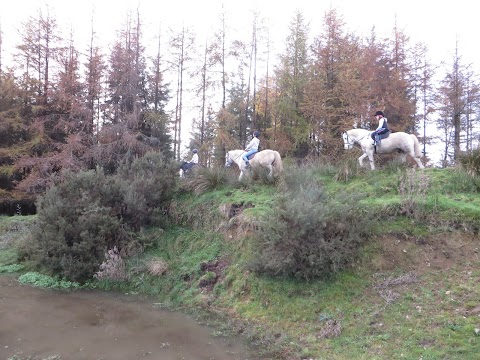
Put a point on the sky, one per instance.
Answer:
(437, 24)
(440, 25)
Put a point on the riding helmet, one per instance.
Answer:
(379, 113)
(256, 133)
(195, 151)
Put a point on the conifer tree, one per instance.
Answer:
(291, 78)
(94, 71)
(335, 94)
(182, 44)
(456, 96)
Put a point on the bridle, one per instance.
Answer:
(351, 142)
(348, 142)
(229, 160)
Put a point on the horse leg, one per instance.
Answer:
(414, 157)
(360, 159)
(417, 160)
(270, 174)
(419, 163)
(370, 158)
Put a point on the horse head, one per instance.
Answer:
(228, 159)
(348, 142)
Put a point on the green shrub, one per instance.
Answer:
(75, 226)
(11, 268)
(307, 234)
(148, 183)
(87, 213)
(45, 281)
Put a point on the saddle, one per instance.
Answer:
(379, 138)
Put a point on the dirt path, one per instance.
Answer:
(93, 326)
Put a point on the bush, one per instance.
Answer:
(309, 235)
(471, 164)
(348, 168)
(44, 281)
(413, 188)
(206, 179)
(113, 268)
(148, 184)
(77, 221)
(87, 213)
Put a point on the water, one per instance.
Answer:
(39, 323)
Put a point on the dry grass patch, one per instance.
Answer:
(157, 267)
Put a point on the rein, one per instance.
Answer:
(356, 140)
(234, 160)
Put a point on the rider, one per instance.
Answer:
(381, 129)
(193, 161)
(251, 148)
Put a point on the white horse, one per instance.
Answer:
(269, 159)
(397, 141)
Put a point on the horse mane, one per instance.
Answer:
(359, 130)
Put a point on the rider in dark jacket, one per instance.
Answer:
(381, 129)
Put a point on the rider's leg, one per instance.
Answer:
(246, 155)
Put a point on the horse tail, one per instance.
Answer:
(416, 146)
(277, 162)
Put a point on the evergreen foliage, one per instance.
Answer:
(58, 113)
(308, 234)
(87, 213)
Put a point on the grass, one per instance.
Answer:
(45, 281)
(414, 293)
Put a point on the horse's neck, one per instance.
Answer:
(236, 155)
(359, 134)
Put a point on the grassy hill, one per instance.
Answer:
(412, 291)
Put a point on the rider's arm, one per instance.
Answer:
(380, 124)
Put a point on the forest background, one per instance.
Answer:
(71, 105)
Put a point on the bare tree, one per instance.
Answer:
(421, 78)
(456, 95)
(218, 54)
(94, 72)
(158, 88)
(182, 45)
(37, 49)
